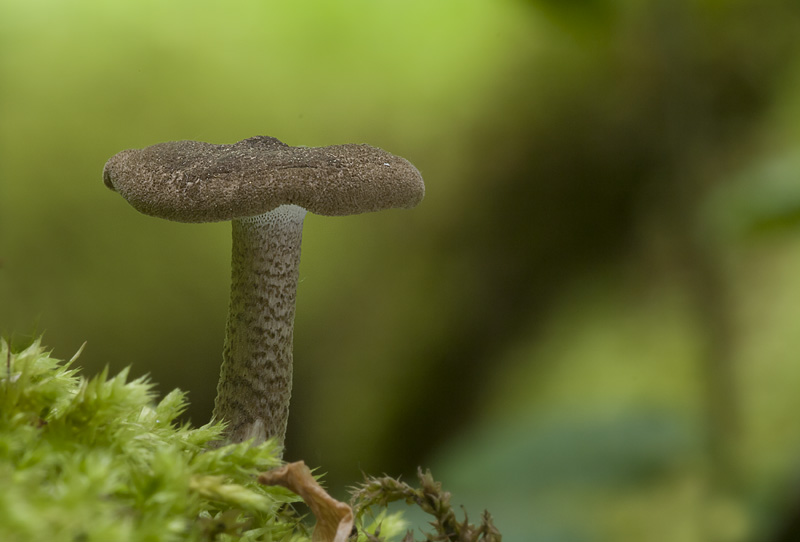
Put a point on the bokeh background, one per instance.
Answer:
(591, 325)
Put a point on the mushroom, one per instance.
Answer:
(265, 188)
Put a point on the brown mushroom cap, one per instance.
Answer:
(191, 181)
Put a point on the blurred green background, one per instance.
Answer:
(591, 325)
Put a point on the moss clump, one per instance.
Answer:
(98, 460)
(84, 460)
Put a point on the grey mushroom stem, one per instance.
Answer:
(256, 378)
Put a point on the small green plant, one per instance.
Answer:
(98, 459)
(431, 499)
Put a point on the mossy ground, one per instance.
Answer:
(99, 459)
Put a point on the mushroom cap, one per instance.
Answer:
(191, 181)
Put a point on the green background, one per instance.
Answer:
(590, 326)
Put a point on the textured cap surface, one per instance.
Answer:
(191, 181)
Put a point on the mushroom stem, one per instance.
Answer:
(256, 377)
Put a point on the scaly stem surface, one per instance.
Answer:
(256, 378)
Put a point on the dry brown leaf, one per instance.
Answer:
(334, 518)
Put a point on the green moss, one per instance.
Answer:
(99, 459)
